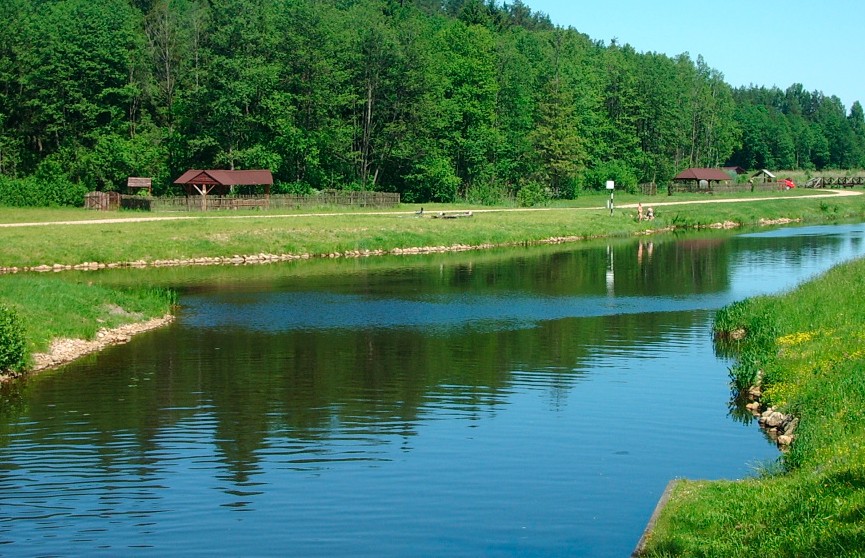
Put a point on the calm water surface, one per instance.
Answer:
(520, 403)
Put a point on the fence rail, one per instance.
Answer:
(648, 188)
(726, 188)
(829, 181)
(290, 201)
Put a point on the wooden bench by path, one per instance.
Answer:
(452, 214)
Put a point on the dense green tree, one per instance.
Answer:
(467, 130)
(519, 58)
(13, 33)
(436, 100)
(621, 101)
(556, 138)
(660, 124)
(713, 132)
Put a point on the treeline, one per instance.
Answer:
(460, 99)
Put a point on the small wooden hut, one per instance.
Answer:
(134, 183)
(762, 175)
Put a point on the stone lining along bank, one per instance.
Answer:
(63, 351)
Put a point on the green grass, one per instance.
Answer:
(63, 306)
(814, 503)
(225, 235)
(51, 306)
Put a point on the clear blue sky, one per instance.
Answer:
(820, 44)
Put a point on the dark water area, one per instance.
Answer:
(529, 402)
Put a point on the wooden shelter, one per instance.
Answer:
(702, 178)
(222, 182)
(763, 175)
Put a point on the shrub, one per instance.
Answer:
(433, 179)
(532, 194)
(486, 192)
(296, 188)
(618, 171)
(12, 343)
(49, 186)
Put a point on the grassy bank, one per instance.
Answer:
(809, 346)
(50, 307)
(58, 307)
(222, 235)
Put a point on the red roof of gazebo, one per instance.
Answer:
(702, 174)
(226, 177)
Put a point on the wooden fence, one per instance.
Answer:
(289, 201)
(102, 201)
(829, 181)
(648, 189)
(726, 188)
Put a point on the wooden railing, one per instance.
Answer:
(830, 181)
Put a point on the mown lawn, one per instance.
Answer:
(247, 233)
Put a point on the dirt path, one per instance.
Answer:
(829, 194)
(825, 194)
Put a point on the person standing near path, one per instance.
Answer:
(639, 211)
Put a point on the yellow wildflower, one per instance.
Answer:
(796, 338)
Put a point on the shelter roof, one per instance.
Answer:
(702, 174)
(763, 172)
(226, 177)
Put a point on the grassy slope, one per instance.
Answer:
(815, 505)
(280, 233)
(52, 307)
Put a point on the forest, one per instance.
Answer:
(439, 100)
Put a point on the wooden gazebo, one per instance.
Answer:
(701, 178)
(219, 182)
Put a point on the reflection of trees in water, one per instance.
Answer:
(301, 394)
(736, 407)
(13, 402)
(309, 397)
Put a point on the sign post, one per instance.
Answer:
(611, 186)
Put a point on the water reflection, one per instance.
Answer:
(522, 403)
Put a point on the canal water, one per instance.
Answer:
(528, 402)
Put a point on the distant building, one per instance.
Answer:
(734, 170)
(702, 178)
(762, 175)
(221, 182)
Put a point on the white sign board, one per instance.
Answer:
(610, 184)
